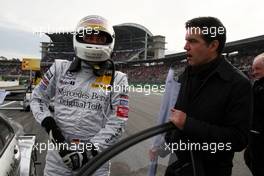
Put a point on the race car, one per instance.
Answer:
(17, 156)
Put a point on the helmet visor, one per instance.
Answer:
(94, 37)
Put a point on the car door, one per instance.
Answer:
(9, 151)
(130, 157)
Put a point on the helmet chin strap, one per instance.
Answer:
(99, 69)
(104, 68)
(112, 81)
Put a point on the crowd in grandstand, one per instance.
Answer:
(10, 67)
(50, 57)
(244, 62)
(57, 50)
(143, 74)
(157, 74)
(147, 74)
(153, 74)
(126, 55)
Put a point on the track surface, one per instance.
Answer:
(134, 161)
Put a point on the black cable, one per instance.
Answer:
(113, 71)
(112, 81)
(193, 163)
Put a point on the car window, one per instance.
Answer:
(135, 161)
(131, 156)
(6, 134)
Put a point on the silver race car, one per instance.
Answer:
(17, 156)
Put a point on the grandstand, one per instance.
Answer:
(240, 53)
(10, 67)
(10, 70)
(130, 54)
(60, 47)
(135, 42)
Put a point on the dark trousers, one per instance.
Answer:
(179, 169)
(254, 154)
(209, 169)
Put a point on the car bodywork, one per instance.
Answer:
(17, 156)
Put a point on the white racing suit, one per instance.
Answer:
(81, 110)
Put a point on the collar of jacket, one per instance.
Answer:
(77, 64)
(223, 70)
(205, 69)
(259, 81)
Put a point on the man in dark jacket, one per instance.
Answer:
(213, 108)
(255, 154)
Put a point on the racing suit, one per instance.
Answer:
(82, 110)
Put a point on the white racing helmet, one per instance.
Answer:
(93, 52)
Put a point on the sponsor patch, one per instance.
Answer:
(102, 87)
(45, 81)
(102, 82)
(68, 78)
(123, 102)
(115, 136)
(124, 96)
(122, 112)
(42, 86)
(41, 105)
(49, 75)
(69, 74)
(67, 82)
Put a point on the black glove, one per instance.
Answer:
(53, 130)
(76, 159)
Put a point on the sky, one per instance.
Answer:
(20, 19)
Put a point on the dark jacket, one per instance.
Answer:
(258, 117)
(218, 104)
(254, 155)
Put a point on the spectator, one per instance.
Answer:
(213, 106)
(254, 155)
(86, 119)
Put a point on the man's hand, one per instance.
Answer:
(178, 118)
(153, 153)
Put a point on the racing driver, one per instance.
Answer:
(87, 110)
